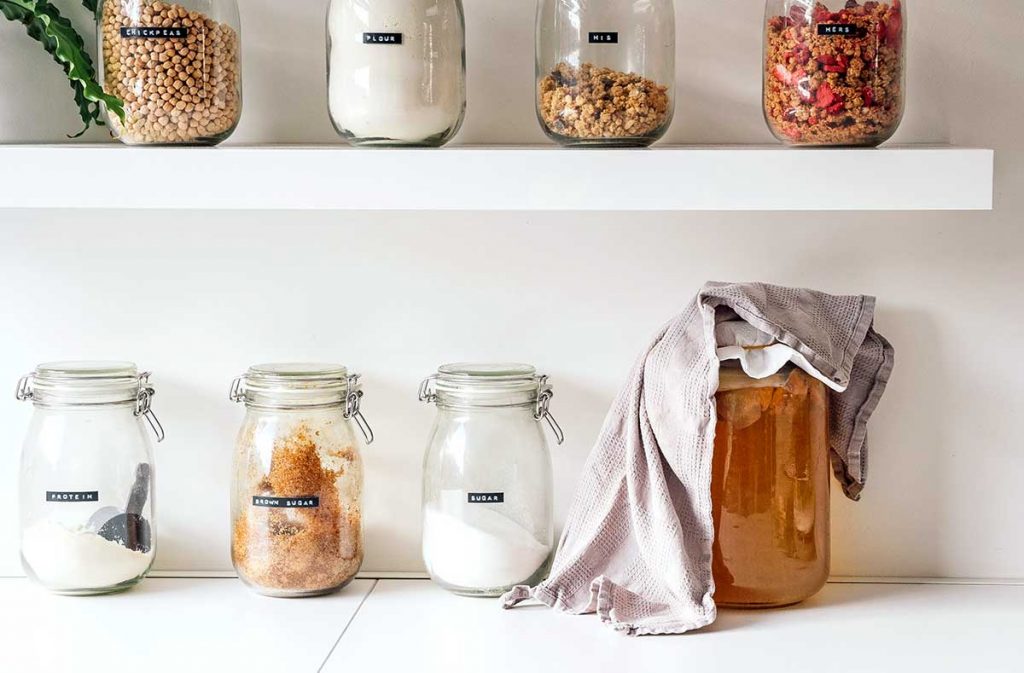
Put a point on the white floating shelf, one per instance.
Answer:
(666, 178)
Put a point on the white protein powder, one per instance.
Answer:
(67, 559)
(407, 92)
(483, 550)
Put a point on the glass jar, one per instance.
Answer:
(770, 488)
(487, 485)
(175, 65)
(605, 71)
(396, 70)
(296, 493)
(86, 481)
(834, 71)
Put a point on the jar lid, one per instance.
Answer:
(491, 385)
(90, 383)
(81, 382)
(301, 385)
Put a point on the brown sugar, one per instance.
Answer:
(296, 550)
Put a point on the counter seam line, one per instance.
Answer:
(347, 624)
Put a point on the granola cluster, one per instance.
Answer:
(835, 78)
(591, 102)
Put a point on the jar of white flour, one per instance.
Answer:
(86, 481)
(396, 70)
(487, 485)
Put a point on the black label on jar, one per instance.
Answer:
(382, 38)
(840, 30)
(297, 501)
(142, 32)
(72, 496)
(485, 497)
(603, 37)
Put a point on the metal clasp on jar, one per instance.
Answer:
(24, 390)
(541, 411)
(143, 406)
(352, 397)
(427, 391)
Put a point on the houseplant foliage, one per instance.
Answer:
(45, 24)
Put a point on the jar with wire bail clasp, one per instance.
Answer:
(86, 480)
(487, 482)
(296, 494)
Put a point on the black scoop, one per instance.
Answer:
(130, 528)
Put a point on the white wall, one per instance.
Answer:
(197, 297)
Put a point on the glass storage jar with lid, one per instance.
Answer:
(834, 70)
(770, 488)
(176, 66)
(396, 70)
(605, 71)
(487, 484)
(86, 482)
(296, 494)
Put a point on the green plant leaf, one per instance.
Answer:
(44, 23)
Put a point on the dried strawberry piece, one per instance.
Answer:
(839, 106)
(826, 59)
(793, 133)
(826, 97)
(822, 14)
(803, 85)
(841, 64)
(783, 75)
(801, 53)
(813, 121)
(869, 96)
(798, 15)
(894, 30)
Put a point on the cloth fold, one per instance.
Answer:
(636, 548)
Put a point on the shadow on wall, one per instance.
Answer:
(907, 440)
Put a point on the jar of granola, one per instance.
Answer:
(176, 66)
(834, 71)
(298, 479)
(605, 71)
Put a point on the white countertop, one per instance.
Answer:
(398, 625)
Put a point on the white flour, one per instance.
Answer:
(482, 550)
(67, 559)
(407, 92)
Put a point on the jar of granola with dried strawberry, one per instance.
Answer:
(605, 71)
(296, 511)
(834, 70)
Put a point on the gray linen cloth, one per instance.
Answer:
(636, 548)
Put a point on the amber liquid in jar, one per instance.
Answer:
(770, 489)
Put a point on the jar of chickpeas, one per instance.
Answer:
(176, 66)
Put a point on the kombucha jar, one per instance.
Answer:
(770, 488)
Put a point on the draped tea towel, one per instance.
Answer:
(636, 547)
